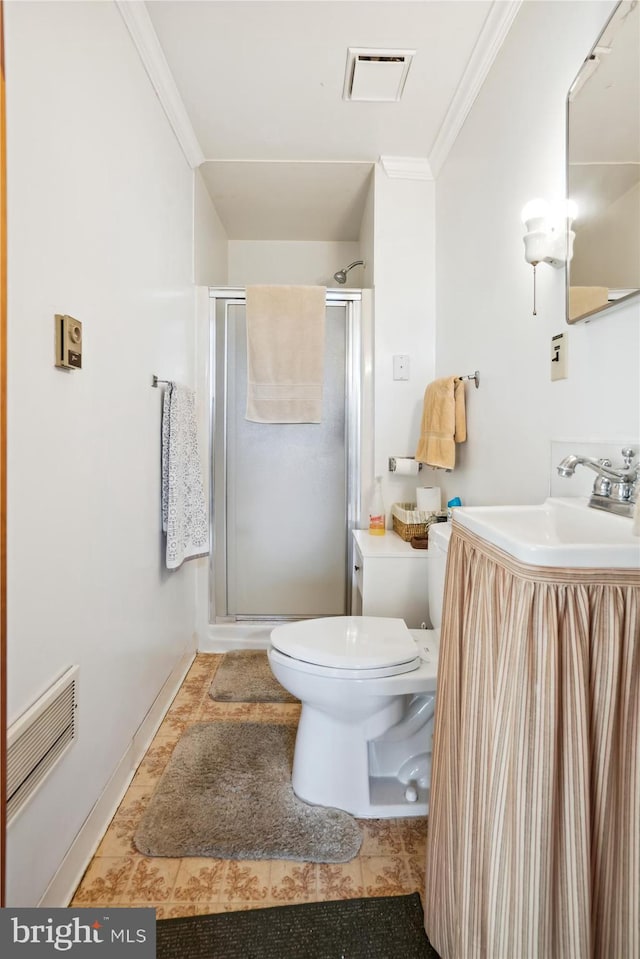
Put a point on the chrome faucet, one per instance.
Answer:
(615, 488)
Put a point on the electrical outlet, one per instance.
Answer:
(400, 366)
(559, 357)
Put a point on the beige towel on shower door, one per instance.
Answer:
(285, 353)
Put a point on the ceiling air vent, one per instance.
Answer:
(376, 75)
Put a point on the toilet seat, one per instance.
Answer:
(348, 647)
(335, 672)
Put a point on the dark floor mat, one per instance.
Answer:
(390, 927)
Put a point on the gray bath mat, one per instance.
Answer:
(244, 676)
(227, 793)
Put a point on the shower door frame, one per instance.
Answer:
(218, 431)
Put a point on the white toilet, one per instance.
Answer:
(367, 686)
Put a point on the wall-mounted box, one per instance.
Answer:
(68, 342)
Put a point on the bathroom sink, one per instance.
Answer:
(559, 532)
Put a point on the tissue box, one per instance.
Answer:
(408, 521)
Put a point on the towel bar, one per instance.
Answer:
(155, 381)
(472, 376)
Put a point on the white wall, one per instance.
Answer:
(311, 263)
(100, 227)
(512, 148)
(367, 239)
(404, 321)
(210, 252)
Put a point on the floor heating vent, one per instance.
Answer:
(38, 739)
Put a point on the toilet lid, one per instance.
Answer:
(348, 642)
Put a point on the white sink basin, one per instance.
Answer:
(560, 532)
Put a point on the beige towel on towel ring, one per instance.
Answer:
(285, 353)
(443, 423)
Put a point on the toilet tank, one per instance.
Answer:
(439, 536)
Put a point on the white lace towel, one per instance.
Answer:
(184, 512)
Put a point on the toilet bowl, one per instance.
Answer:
(367, 687)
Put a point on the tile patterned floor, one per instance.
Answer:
(390, 861)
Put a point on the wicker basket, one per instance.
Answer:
(408, 530)
(408, 521)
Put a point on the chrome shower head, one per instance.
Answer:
(341, 276)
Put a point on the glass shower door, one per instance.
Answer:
(286, 516)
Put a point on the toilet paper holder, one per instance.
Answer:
(393, 464)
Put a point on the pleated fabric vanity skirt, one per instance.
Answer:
(534, 828)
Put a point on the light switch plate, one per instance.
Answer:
(559, 357)
(400, 366)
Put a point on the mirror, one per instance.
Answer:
(603, 169)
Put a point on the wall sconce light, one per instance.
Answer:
(549, 237)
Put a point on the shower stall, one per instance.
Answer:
(284, 497)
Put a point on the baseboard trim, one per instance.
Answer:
(65, 882)
(224, 637)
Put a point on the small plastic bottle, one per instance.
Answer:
(451, 505)
(376, 511)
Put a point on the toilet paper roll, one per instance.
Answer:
(428, 498)
(406, 467)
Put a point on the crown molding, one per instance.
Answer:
(493, 34)
(406, 168)
(136, 17)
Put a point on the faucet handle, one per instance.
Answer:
(602, 485)
(628, 457)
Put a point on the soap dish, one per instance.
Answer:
(420, 542)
